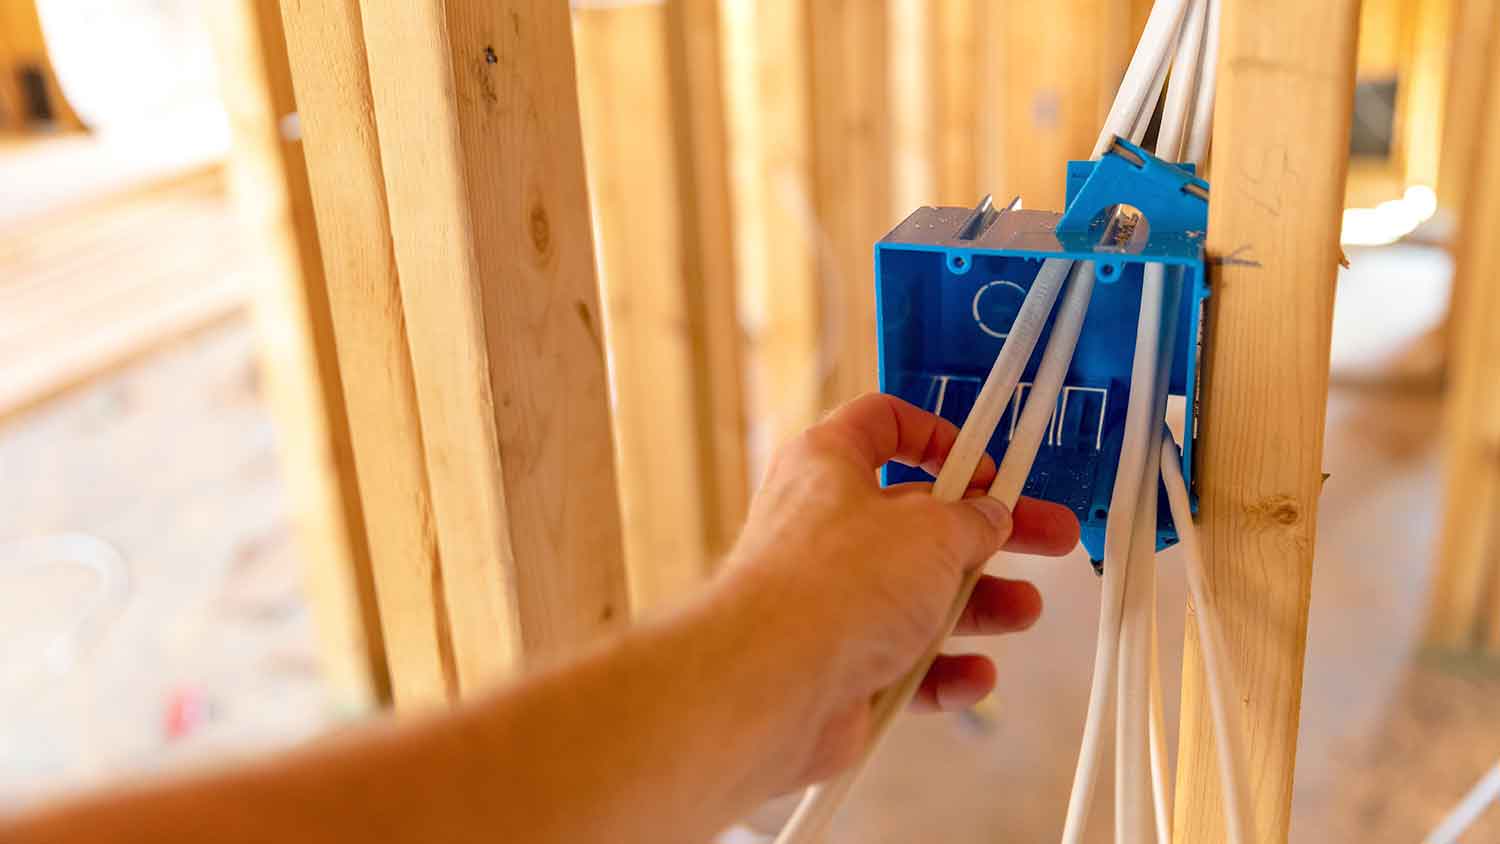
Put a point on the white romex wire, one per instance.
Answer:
(1217, 671)
(1155, 45)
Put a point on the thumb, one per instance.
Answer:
(982, 526)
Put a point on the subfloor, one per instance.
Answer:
(197, 643)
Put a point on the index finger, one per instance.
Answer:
(876, 428)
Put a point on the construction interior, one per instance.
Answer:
(247, 293)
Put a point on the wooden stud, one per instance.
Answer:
(696, 60)
(913, 55)
(296, 339)
(625, 92)
(1053, 101)
(960, 69)
(1464, 598)
(326, 42)
(23, 63)
(476, 109)
(1474, 40)
(776, 233)
(1278, 191)
(852, 170)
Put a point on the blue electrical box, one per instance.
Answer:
(950, 281)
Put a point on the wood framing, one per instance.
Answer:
(852, 173)
(623, 92)
(776, 233)
(478, 126)
(1050, 103)
(298, 359)
(1464, 610)
(337, 119)
(30, 96)
(1474, 41)
(695, 63)
(958, 99)
(1285, 89)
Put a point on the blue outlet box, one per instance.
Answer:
(950, 281)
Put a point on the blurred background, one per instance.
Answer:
(180, 541)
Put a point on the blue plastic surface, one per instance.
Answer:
(944, 305)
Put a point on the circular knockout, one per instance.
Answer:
(996, 305)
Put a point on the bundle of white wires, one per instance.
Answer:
(1182, 35)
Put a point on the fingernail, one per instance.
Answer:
(997, 514)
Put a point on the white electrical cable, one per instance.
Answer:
(1182, 94)
(1217, 671)
(1201, 127)
(1161, 764)
(1468, 810)
(1137, 786)
(1036, 414)
(1143, 122)
(1152, 52)
(1155, 46)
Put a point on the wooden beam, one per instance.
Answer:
(770, 153)
(913, 59)
(477, 116)
(695, 53)
(852, 169)
(293, 320)
(337, 118)
(1474, 40)
(1285, 92)
(30, 96)
(637, 186)
(1464, 593)
(1052, 102)
(960, 70)
(1423, 88)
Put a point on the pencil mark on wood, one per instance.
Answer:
(1237, 258)
(588, 325)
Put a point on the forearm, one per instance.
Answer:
(662, 735)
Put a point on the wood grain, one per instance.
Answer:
(960, 68)
(23, 48)
(1464, 598)
(636, 184)
(1054, 101)
(852, 170)
(1278, 189)
(695, 53)
(476, 109)
(295, 327)
(776, 237)
(326, 42)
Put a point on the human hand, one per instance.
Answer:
(866, 575)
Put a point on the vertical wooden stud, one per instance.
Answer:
(1053, 101)
(696, 62)
(1422, 88)
(1474, 40)
(291, 308)
(1285, 91)
(27, 80)
(852, 170)
(1465, 598)
(960, 72)
(776, 233)
(337, 120)
(635, 183)
(914, 57)
(476, 110)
